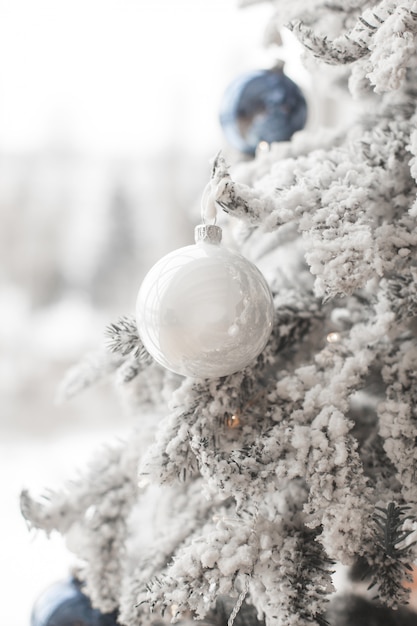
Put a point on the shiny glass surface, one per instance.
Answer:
(264, 105)
(64, 604)
(204, 311)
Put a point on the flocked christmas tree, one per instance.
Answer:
(240, 495)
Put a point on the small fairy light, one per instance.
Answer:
(264, 146)
(333, 337)
(233, 421)
(173, 609)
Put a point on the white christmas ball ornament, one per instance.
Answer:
(204, 311)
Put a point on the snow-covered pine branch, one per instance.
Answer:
(392, 555)
(93, 512)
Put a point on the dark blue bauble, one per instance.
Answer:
(264, 105)
(64, 604)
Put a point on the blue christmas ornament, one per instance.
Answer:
(263, 105)
(64, 604)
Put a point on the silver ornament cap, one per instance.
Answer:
(208, 233)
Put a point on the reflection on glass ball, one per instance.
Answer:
(204, 311)
(261, 106)
(64, 604)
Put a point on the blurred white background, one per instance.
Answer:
(108, 119)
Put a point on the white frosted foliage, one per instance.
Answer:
(306, 453)
(204, 311)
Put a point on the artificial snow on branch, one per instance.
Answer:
(390, 566)
(258, 482)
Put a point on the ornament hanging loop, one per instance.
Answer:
(208, 231)
(208, 206)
